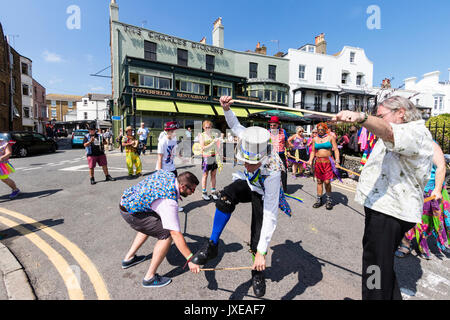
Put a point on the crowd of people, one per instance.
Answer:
(401, 186)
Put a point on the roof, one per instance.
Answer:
(63, 97)
(98, 96)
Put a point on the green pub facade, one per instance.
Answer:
(158, 78)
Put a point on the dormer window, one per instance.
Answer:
(352, 57)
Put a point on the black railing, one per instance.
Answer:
(441, 134)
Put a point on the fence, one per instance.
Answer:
(441, 134)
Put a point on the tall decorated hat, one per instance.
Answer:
(254, 145)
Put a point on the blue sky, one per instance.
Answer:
(413, 39)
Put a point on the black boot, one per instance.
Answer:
(258, 283)
(208, 252)
(318, 203)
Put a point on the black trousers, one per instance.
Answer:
(382, 236)
(239, 192)
(283, 173)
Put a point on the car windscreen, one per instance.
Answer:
(5, 136)
(78, 133)
(22, 136)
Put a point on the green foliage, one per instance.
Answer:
(439, 127)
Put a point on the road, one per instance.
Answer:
(70, 239)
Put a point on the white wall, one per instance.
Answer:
(95, 110)
(332, 68)
(429, 88)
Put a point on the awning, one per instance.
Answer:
(251, 110)
(195, 108)
(238, 111)
(295, 116)
(155, 105)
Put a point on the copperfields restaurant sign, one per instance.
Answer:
(169, 94)
(184, 96)
(176, 41)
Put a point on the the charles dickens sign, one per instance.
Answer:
(176, 41)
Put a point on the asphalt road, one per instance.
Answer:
(71, 240)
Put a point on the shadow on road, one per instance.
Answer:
(25, 195)
(340, 198)
(30, 227)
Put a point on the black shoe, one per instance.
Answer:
(132, 262)
(258, 283)
(93, 181)
(329, 204)
(318, 203)
(208, 252)
(109, 178)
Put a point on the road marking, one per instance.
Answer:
(61, 265)
(343, 186)
(34, 168)
(83, 260)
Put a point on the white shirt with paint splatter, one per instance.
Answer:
(395, 175)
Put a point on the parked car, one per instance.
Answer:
(78, 137)
(61, 132)
(25, 143)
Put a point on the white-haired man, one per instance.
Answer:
(390, 188)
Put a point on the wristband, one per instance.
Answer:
(188, 259)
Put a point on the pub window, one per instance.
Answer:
(134, 79)
(282, 97)
(219, 91)
(272, 72)
(253, 72)
(182, 57)
(210, 62)
(149, 50)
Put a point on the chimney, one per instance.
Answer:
(203, 41)
(114, 11)
(217, 33)
(321, 44)
(261, 49)
(279, 54)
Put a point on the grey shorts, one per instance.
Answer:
(148, 223)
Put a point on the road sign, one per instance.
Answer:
(116, 118)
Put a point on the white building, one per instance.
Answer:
(329, 83)
(94, 107)
(27, 93)
(432, 93)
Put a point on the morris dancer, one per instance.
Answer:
(260, 185)
(279, 139)
(390, 188)
(5, 167)
(208, 142)
(297, 143)
(323, 164)
(132, 157)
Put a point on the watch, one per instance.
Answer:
(366, 115)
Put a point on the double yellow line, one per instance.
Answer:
(69, 277)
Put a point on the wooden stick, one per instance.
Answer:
(219, 269)
(429, 199)
(328, 115)
(352, 172)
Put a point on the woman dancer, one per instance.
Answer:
(297, 143)
(5, 167)
(208, 143)
(435, 218)
(324, 165)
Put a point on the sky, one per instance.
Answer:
(402, 38)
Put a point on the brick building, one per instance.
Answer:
(40, 107)
(10, 87)
(59, 105)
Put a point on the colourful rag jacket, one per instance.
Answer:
(160, 185)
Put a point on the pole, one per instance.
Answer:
(134, 111)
